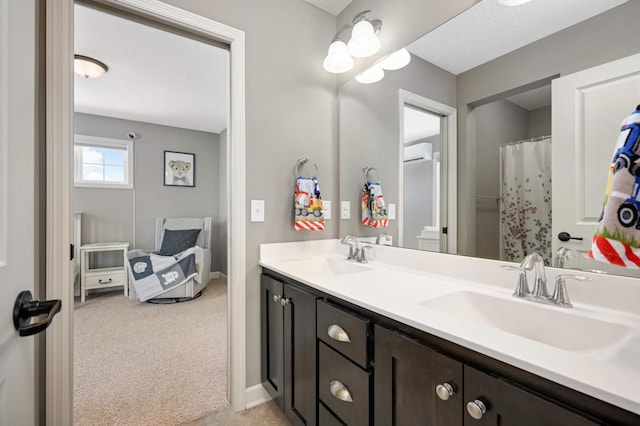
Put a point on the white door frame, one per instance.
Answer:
(59, 51)
(449, 161)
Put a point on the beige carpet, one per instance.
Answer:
(146, 364)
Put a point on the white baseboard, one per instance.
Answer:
(256, 395)
(215, 275)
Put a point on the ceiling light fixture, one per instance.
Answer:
(395, 61)
(513, 2)
(364, 42)
(88, 67)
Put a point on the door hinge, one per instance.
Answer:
(444, 230)
(72, 252)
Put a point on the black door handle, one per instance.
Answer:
(25, 308)
(565, 236)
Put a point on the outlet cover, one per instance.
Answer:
(326, 209)
(392, 211)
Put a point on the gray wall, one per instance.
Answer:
(129, 215)
(609, 36)
(369, 133)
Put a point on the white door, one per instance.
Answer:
(588, 107)
(17, 93)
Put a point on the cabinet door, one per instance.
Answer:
(406, 376)
(508, 405)
(272, 323)
(300, 356)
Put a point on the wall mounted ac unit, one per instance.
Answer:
(418, 152)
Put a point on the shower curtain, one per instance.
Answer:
(525, 213)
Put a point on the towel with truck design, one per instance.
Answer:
(617, 237)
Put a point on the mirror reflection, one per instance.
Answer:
(501, 107)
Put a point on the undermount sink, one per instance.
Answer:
(551, 326)
(324, 267)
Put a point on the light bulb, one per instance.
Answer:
(395, 61)
(338, 59)
(370, 75)
(364, 41)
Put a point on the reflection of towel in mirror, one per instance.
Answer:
(617, 236)
(374, 208)
(308, 205)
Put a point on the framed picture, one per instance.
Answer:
(179, 169)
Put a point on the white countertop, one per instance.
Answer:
(396, 282)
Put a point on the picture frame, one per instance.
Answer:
(179, 169)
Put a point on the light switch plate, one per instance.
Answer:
(257, 210)
(345, 210)
(326, 209)
(392, 211)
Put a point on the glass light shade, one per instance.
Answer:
(370, 75)
(513, 2)
(364, 41)
(88, 67)
(338, 59)
(395, 61)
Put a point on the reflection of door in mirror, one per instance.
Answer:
(427, 153)
(421, 163)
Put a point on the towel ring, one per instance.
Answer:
(368, 169)
(300, 163)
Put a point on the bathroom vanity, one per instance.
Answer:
(409, 339)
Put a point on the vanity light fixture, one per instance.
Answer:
(395, 61)
(371, 75)
(513, 2)
(88, 67)
(364, 42)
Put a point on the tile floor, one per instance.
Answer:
(267, 414)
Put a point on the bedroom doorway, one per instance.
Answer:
(121, 148)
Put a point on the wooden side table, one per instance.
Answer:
(92, 278)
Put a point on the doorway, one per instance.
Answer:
(59, 224)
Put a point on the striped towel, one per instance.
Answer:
(617, 236)
(308, 205)
(374, 209)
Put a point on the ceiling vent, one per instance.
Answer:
(418, 152)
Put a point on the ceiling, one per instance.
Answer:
(154, 76)
(334, 7)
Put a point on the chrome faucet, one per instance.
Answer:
(354, 250)
(539, 293)
(563, 254)
(384, 236)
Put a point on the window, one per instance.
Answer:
(103, 163)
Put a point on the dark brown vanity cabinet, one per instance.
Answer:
(415, 385)
(288, 332)
(493, 401)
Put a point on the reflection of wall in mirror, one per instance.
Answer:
(598, 40)
(369, 132)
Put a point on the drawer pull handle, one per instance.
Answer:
(445, 391)
(476, 409)
(340, 391)
(104, 282)
(337, 333)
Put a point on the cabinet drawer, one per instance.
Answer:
(340, 380)
(326, 418)
(106, 280)
(350, 332)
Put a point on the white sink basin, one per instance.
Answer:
(323, 267)
(548, 325)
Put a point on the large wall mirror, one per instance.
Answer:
(500, 106)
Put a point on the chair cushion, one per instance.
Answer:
(175, 241)
(180, 223)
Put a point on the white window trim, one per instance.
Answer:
(104, 143)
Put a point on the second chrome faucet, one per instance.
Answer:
(539, 293)
(357, 253)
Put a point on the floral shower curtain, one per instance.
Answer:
(525, 213)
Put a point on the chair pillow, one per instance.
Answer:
(176, 241)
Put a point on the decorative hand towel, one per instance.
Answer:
(617, 236)
(374, 209)
(308, 205)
